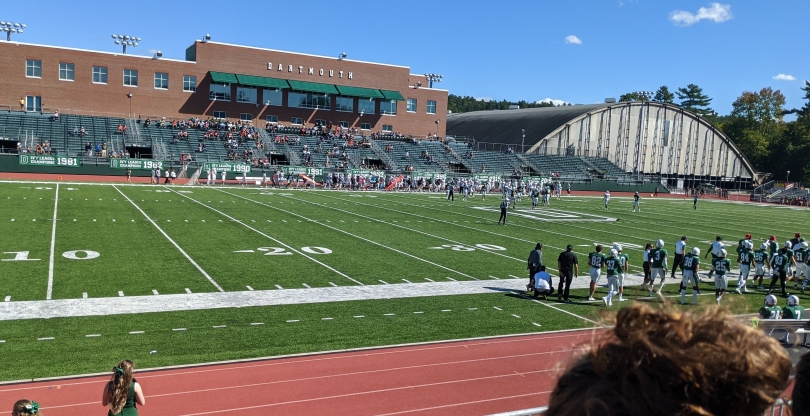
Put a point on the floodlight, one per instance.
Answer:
(2, 23)
(114, 36)
(138, 39)
(19, 31)
(126, 37)
(23, 26)
(16, 25)
(126, 40)
(117, 42)
(11, 28)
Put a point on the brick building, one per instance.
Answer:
(222, 80)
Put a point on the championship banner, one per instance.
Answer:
(366, 172)
(227, 167)
(137, 164)
(36, 160)
(299, 170)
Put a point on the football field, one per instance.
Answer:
(165, 275)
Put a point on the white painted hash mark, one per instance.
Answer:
(496, 278)
(307, 286)
(8, 298)
(121, 293)
(497, 308)
(383, 282)
(293, 320)
(450, 278)
(360, 316)
(407, 281)
(388, 314)
(155, 292)
(49, 293)
(279, 287)
(536, 324)
(178, 329)
(447, 310)
(92, 335)
(45, 339)
(327, 319)
(257, 323)
(249, 288)
(188, 290)
(430, 280)
(516, 316)
(84, 295)
(220, 326)
(136, 332)
(332, 284)
(419, 312)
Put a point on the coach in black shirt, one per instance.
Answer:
(568, 266)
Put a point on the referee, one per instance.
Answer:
(680, 246)
(568, 266)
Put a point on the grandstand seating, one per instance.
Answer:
(64, 140)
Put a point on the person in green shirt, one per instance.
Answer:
(123, 394)
(597, 261)
(745, 257)
(624, 260)
(658, 257)
(773, 246)
(771, 310)
(691, 267)
(761, 260)
(721, 269)
(793, 310)
(614, 268)
(779, 265)
(801, 263)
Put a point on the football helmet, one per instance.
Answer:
(614, 253)
(793, 300)
(617, 247)
(695, 251)
(723, 253)
(804, 245)
(763, 246)
(749, 245)
(770, 300)
(659, 243)
(788, 245)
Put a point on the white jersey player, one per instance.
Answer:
(607, 199)
(223, 177)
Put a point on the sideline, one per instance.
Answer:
(53, 247)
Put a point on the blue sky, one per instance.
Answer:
(495, 49)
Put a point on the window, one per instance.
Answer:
(161, 81)
(365, 126)
(272, 97)
(246, 117)
(343, 124)
(189, 83)
(308, 100)
(431, 107)
(219, 91)
(411, 105)
(65, 72)
(272, 119)
(33, 103)
(131, 77)
(100, 74)
(344, 104)
(219, 114)
(387, 128)
(366, 106)
(388, 108)
(297, 121)
(246, 95)
(33, 68)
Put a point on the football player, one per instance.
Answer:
(607, 199)
(691, 267)
(770, 310)
(714, 250)
(793, 310)
(658, 257)
(761, 260)
(624, 261)
(597, 261)
(779, 266)
(635, 202)
(744, 259)
(721, 268)
(800, 256)
(614, 268)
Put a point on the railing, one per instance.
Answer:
(459, 158)
(383, 155)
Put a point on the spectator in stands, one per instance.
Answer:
(25, 407)
(98, 150)
(55, 116)
(123, 394)
(22, 103)
(667, 362)
(88, 148)
(801, 387)
(19, 148)
(82, 132)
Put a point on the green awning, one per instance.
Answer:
(313, 87)
(359, 92)
(223, 77)
(262, 82)
(392, 95)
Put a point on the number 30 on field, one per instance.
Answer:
(70, 255)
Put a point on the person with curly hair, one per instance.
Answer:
(668, 362)
(800, 403)
(123, 393)
(26, 407)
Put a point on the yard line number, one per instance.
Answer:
(280, 251)
(459, 247)
(70, 255)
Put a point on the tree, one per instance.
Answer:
(757, 127)
(663, 95)
(693, 99)
(459, 104)
(633, 96)
(805, 110)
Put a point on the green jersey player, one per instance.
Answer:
(624, 260)
(801, 263)
(761, 260)
(771, 310)
(614, 268)
(658, 257)
(793, 310)
(691, 266)
(745, 258)
(721, 269)
(597, 261)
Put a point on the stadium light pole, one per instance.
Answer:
(11, 27)
(125, 40)
(523, 141)
(433, 78)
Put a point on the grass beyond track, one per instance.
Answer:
(122, 241)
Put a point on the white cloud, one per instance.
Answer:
(784, 77)
(571, 39)
(552, 100)
(716, 12)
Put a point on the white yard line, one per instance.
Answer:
(204, 273)
(356, 236)
(49, 294)
(268, 236)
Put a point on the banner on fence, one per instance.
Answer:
(227, 167)
(142, 164)
(40, 160)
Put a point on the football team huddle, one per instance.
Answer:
(785, 263)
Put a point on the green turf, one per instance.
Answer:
(371, 238)
(71, 352)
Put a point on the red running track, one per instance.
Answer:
(475, 377)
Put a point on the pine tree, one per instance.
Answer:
(632, 96)
(663, 95)
(693, 99)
